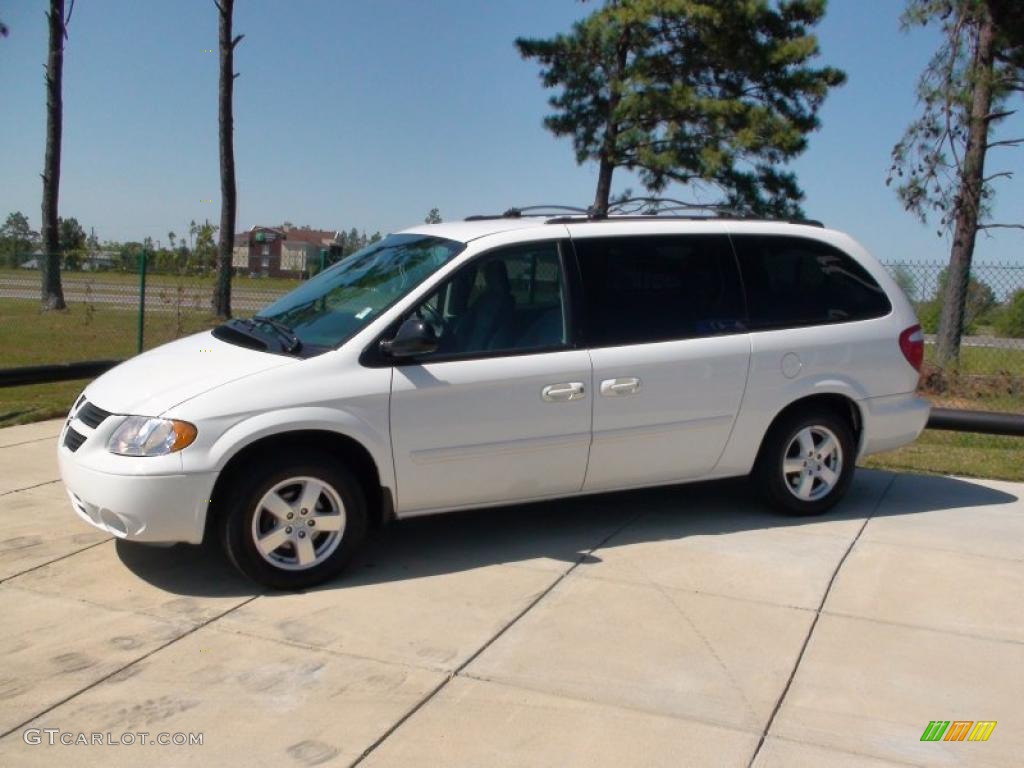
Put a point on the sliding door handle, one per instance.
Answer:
(616, 387)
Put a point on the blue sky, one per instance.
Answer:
(368, 114)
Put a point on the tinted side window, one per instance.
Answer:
(642, 289)
(792, 281)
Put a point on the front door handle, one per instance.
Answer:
(554, 393)
(616, 387)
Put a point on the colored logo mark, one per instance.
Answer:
(958, 730)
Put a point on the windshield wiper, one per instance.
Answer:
(236, 332)
(292, 342)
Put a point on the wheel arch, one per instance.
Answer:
(346, 448)
(841, 405)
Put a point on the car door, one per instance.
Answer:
(664, 324)
(501, 412)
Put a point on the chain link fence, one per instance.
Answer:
(988, 372)
(112, 312)
(107, 318)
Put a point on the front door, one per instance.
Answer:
(501, 412)
(664, 320)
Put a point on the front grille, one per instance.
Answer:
(90, 415)
(73, 440)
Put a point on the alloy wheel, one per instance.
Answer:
(298, 523)
(813, 463)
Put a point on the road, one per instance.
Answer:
(160, 297)
(988, 342)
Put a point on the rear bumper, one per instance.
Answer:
(892, 421)
(149, 508)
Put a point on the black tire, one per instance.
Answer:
(777, 488)
(249, 487)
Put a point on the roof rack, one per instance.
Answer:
(636, 209)
(530, 210)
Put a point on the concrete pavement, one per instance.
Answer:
(679, 626)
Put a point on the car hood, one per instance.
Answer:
(151, 383)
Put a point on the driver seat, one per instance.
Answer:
(487, 322)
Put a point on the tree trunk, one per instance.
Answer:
(609, 154)
(972, 176)
(604, 186)
(228, 200)
(52, 292)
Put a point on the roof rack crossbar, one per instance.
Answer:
(516, 212)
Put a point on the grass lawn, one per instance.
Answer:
(22, 405)
(987, 360)
(31, 337)
(84, 332)
(957, 453)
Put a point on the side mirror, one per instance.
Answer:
(415, 337)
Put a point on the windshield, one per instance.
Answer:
(333, 306)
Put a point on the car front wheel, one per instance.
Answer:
(294, 525)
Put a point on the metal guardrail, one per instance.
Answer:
(47, 374)
(984, 422)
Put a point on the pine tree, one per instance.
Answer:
(939, 164)
(690, 91)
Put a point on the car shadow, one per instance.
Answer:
(564, 531)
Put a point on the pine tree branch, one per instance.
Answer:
(998, 115)
(1005, 143)
(1002, 174)
(1001, 226)
(237, 40)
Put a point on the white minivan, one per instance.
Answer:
(498, 360)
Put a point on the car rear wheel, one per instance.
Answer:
(295, 524)
(806, 462)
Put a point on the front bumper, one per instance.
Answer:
(892, 421)
(155, 508)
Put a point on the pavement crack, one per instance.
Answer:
(55, 560)
(701, 636)
(53, 437)
(30, 487)
(123, 667)
(582, 558)
(814, 622)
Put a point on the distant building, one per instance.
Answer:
(34, 261)
(100, 260)
(283, 251)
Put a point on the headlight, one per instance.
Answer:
(144, 436)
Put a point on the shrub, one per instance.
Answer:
(1010, 322)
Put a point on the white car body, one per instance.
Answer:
(476, 432)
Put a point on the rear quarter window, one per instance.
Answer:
(794, 281)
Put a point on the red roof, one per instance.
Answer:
(317, 236)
